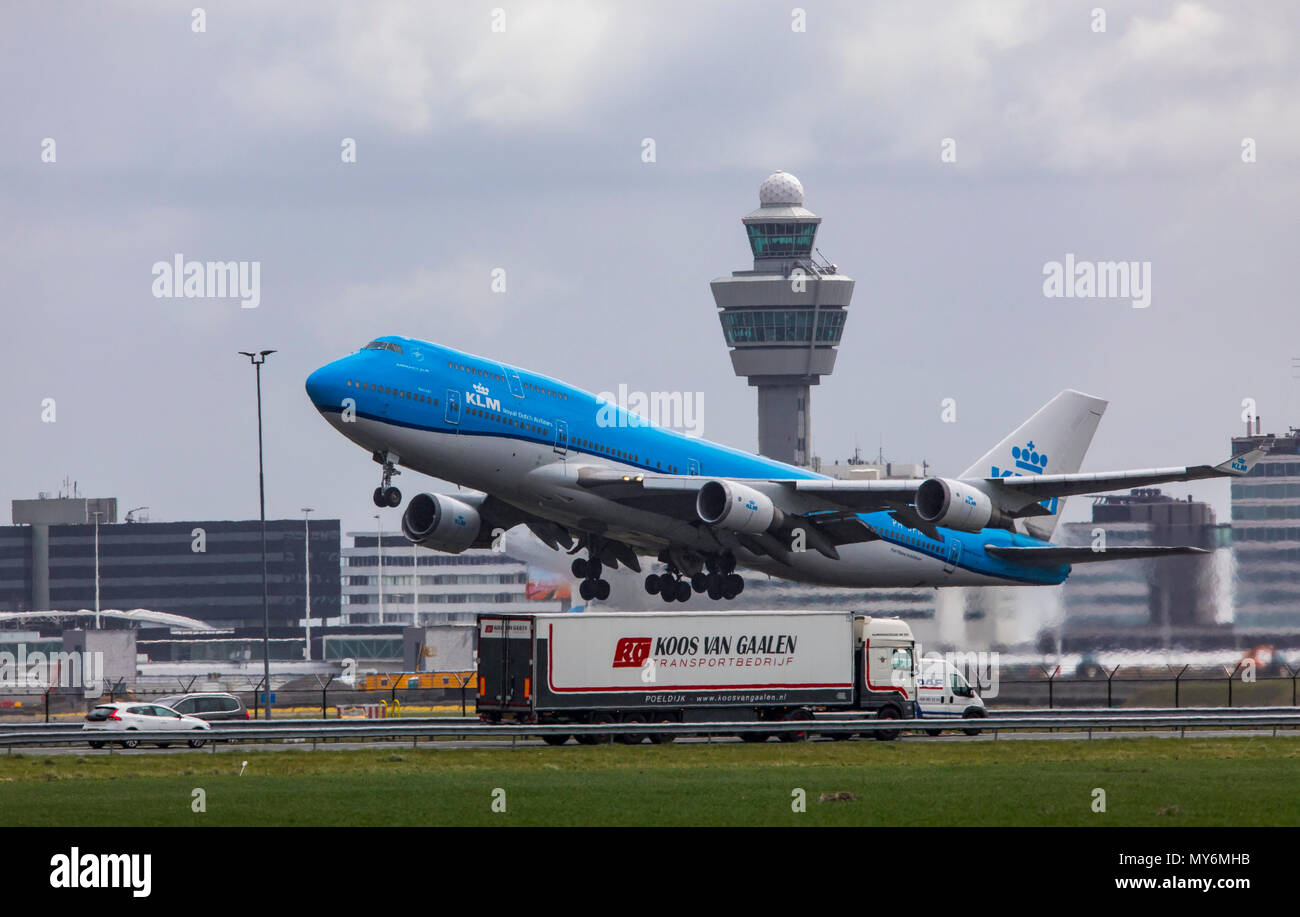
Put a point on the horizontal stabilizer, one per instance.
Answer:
(1055, 556)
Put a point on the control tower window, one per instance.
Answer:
(774, 239)
(383, 345)
(781, 326)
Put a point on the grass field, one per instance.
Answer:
(1232, 781)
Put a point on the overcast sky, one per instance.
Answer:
(479, 149)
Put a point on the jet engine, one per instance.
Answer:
(441, 523)
(954, 505)
(737, 507)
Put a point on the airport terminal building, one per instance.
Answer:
(210, 570)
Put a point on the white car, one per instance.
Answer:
(136, 717)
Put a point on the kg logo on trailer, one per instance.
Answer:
(631, 652)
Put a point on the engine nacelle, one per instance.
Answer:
(954, 505)
(441, 523)
(737, 507)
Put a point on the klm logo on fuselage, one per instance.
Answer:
(479, 398)
(1028, 460)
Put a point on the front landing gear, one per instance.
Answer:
(386, 494)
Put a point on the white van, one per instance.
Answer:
(942, 690)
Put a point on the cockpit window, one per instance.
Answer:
(383, 345)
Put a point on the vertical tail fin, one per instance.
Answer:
(1053, 441)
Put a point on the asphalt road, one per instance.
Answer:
(453, 744)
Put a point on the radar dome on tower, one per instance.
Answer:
(780, 189)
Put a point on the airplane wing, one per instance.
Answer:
(1015, 492)
(1054, 556)
(827, 506)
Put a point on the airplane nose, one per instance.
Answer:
(322, 386)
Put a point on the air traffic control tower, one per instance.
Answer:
(783, 319)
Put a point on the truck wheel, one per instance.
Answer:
(754, 736)
(801, 735)
(632, 738)
(597, 719)
(887, 713)
(968, 715)
(838, 736)
(663, 738)
(555, 739)
(934, 732)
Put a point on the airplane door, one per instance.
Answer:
(693, 466)
(954, 555)
(561, 437)
(451, 414)
(512, 378)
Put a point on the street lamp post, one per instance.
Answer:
(306, 534)
(257, 359)
(379, 543)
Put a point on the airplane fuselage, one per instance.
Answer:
(524, 437)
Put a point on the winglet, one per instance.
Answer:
(1239, 465)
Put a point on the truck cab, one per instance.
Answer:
(887, 663)
(942, 690)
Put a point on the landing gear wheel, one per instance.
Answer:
(735, 583)
(700, 582)
(386, 494)
(683, 590)
(579, 567)
(587, 590)
(602, 589)
(652, 584)
(668, 590)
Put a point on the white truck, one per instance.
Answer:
(683, 667)
(942, 690)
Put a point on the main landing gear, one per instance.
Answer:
(670, 586)
(717, 577)
(386, 494)
(592, 586)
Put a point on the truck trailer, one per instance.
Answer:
(701, 667)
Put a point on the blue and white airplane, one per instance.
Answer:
(587, 476)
